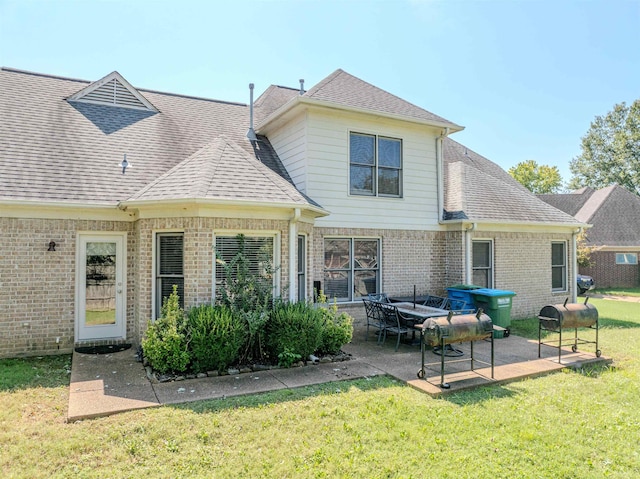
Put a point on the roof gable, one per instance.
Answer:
(221, 170)
(113, 90)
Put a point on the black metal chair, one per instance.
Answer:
(379, 297)
(393, 322)
(435, 302)
(374, 317)
(454, 304)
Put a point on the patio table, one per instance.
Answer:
(417, 314)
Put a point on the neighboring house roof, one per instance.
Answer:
(571, 202)
(614, 212)
(476, 189)
(58, 150)
(347, 91)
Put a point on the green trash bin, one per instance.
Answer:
(497, 304)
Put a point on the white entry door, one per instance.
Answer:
(101, 288)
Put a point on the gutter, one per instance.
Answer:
(574, 262)
(440, 173)
(468, 254)
(293, 242)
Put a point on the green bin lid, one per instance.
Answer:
(464, 286)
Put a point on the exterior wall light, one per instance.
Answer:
(52, 246)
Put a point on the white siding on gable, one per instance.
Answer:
(327, 182)
(289, 142)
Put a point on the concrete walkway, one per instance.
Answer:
(102, 385)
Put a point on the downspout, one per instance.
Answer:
(440, 172)
(293, 243)
(468, 253)
(574, 260)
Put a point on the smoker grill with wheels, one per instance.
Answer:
(558, 317)
(445, 330)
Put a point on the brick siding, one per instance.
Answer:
(607, 274)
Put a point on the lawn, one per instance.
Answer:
(617, 291)
(567, 425)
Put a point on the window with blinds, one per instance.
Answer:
(169, 267)
(258, 251)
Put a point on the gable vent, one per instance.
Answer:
(116, 94)
(113, 90)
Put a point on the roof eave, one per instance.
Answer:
(318, 211)
(301, 101)
(520, 223)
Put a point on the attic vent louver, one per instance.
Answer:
(113, 90)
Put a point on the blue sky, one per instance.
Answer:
(525, 78)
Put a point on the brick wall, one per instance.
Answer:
(37, 304)
(607, 274)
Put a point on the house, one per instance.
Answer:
(111, 194)
(615, 236)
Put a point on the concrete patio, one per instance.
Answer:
(102, 385)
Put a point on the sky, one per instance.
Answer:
(524, 77)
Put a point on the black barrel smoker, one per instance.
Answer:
(556, 318)
(445, 330)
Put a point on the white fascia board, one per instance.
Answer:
(488, 225)
(64, 210)
(302, 101)
(183, 203)
(617, 249)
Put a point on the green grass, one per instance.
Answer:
(617, 291)
(566, 425)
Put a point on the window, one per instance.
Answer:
(375, 165)
(559, 266)
(169, 267)
(626, 258)
(351, 268)
(482, 261)
(302, 268)
(258, 251)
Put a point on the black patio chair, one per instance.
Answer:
(374, 317)
(380, 297)
(454, 304)
(435, 302)
(393, 322)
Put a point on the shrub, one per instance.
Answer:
(216, 336)
(337, 329)
(293, 328)
(165, 342)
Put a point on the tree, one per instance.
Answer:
(539, 179)
(610, 151)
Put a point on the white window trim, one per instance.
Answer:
(626, 263)
(566, 267)
(491, 258)
(276, 235)
(351, 237)
(154, 267)
(376, 192)
(305, 294)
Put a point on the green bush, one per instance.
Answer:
(293, 328)
(337, 329)
(216, 337)
(165, 342)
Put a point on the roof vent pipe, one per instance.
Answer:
(302, 86)
(251, 134)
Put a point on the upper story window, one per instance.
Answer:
(559, 266)
(626, 258)
(375, 165)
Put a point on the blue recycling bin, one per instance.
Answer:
(463, 292)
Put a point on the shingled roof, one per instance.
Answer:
(614, 212)
(345, 90)
(476, 189)
(221, 170)
(58, 150)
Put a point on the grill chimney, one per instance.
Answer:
(251, 134)
(302, 86)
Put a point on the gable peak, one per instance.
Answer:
(113, 90)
